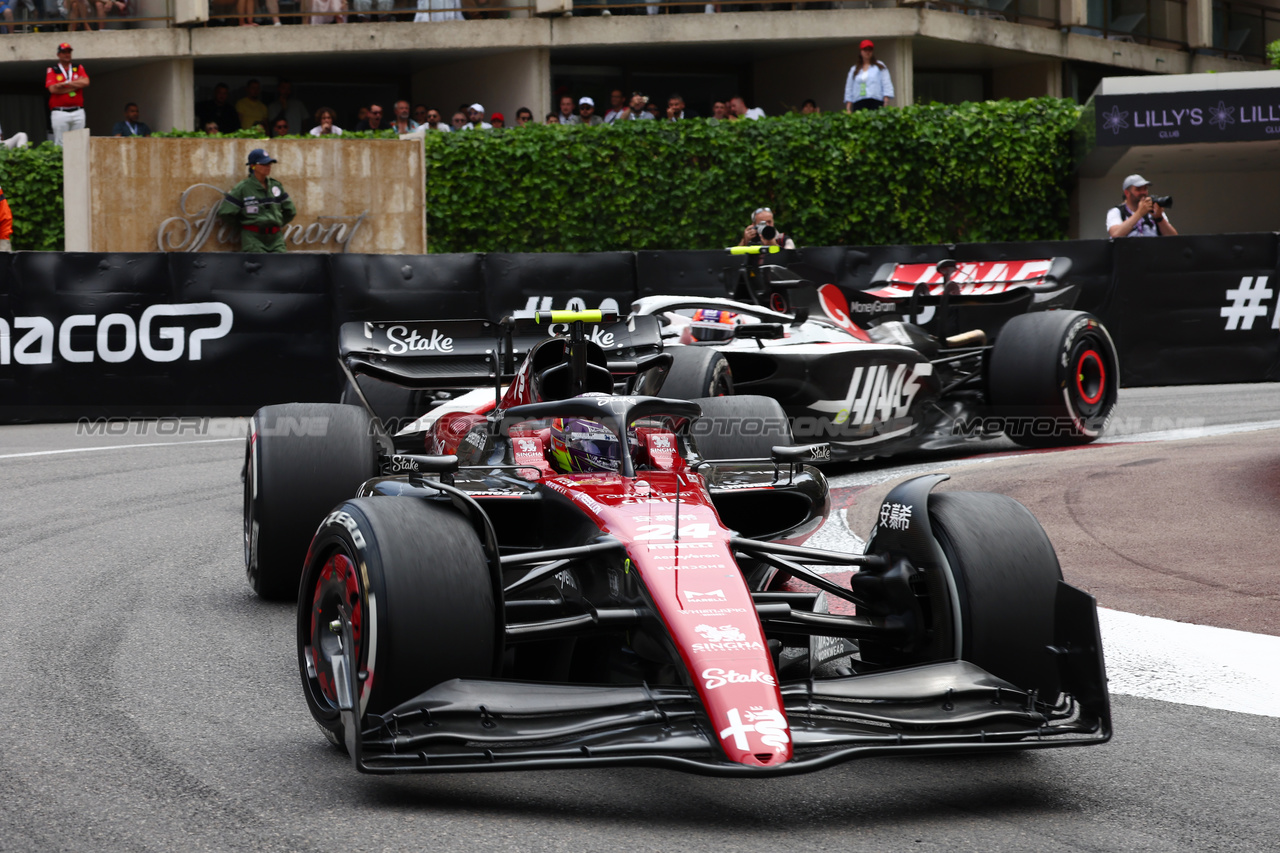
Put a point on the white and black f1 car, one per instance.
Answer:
(568, 576)
(1038, 373)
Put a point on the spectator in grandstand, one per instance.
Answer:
(868, 86)
(475, 118)
(401, 123)
(720, 110)
(420, 113)
(326, 127)
(211, 127)
(250, 108)
(459, 120)
(362, 8)
(653, 109)
(438, 10)
(617, 103)
(809, 107)
(219, 110)
(587, 113)
(6, 12)
(676, 109)
(326, 11)
(289, 108)
(280, 127)
(567, 115)
(374, 121)
(431, 120)
(524, 117)
(132, 124)
(553, 118)
(738, 107)
(18, 139)
(498, 121)
(635, 110)
(762, 232)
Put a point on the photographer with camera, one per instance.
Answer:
(762, 232)
(1141, 215)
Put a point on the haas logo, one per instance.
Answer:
(723, 634)
(400, 344)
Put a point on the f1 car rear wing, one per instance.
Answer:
(972, 278)
(473, 353)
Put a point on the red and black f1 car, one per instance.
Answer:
(939, 355)
(578, 577)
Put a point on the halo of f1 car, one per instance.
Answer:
(575, 571)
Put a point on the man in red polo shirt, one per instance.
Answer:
(65, 82)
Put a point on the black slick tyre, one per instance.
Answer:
(746, 427)
(415, 579)
(395, 405)
(697, 371)
(301, 460)
(1006, 580)
(1053, 378)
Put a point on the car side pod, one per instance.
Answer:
(997, 595)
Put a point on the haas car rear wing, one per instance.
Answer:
(972, 278)
(474, 353)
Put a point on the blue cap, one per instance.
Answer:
(259, 157)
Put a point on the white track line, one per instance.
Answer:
(117, 447)
(1191, 664)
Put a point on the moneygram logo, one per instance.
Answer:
(163, 333)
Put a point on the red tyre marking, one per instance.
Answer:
(339, 568)
(1090, 355)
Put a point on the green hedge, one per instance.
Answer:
(920, 174)
(973, 172)
(32, 182)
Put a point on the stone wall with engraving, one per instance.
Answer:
(147, 195)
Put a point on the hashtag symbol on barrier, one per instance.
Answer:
(1246, 303)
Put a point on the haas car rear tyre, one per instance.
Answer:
(1053, 378)
(1006, 577)
(697, 372)
(418, 592)
(746, 427)
(302, 459)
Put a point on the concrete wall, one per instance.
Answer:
(374, 189)
(500, 83)
(1202, 203)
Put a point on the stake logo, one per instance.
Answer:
(401, 344)
(716, 677)
(118, 337)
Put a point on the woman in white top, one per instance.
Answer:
(868, 86)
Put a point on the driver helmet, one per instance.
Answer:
(712, 324)
(581, 446)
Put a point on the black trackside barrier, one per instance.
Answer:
(1198, 309)
(113, 335)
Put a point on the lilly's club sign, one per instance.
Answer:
(1168, 118)
(198, 222)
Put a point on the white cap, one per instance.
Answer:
(1134, 181)
(586, 101)
(477, 107)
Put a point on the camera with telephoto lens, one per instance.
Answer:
(766, 232)
(1165, 201)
